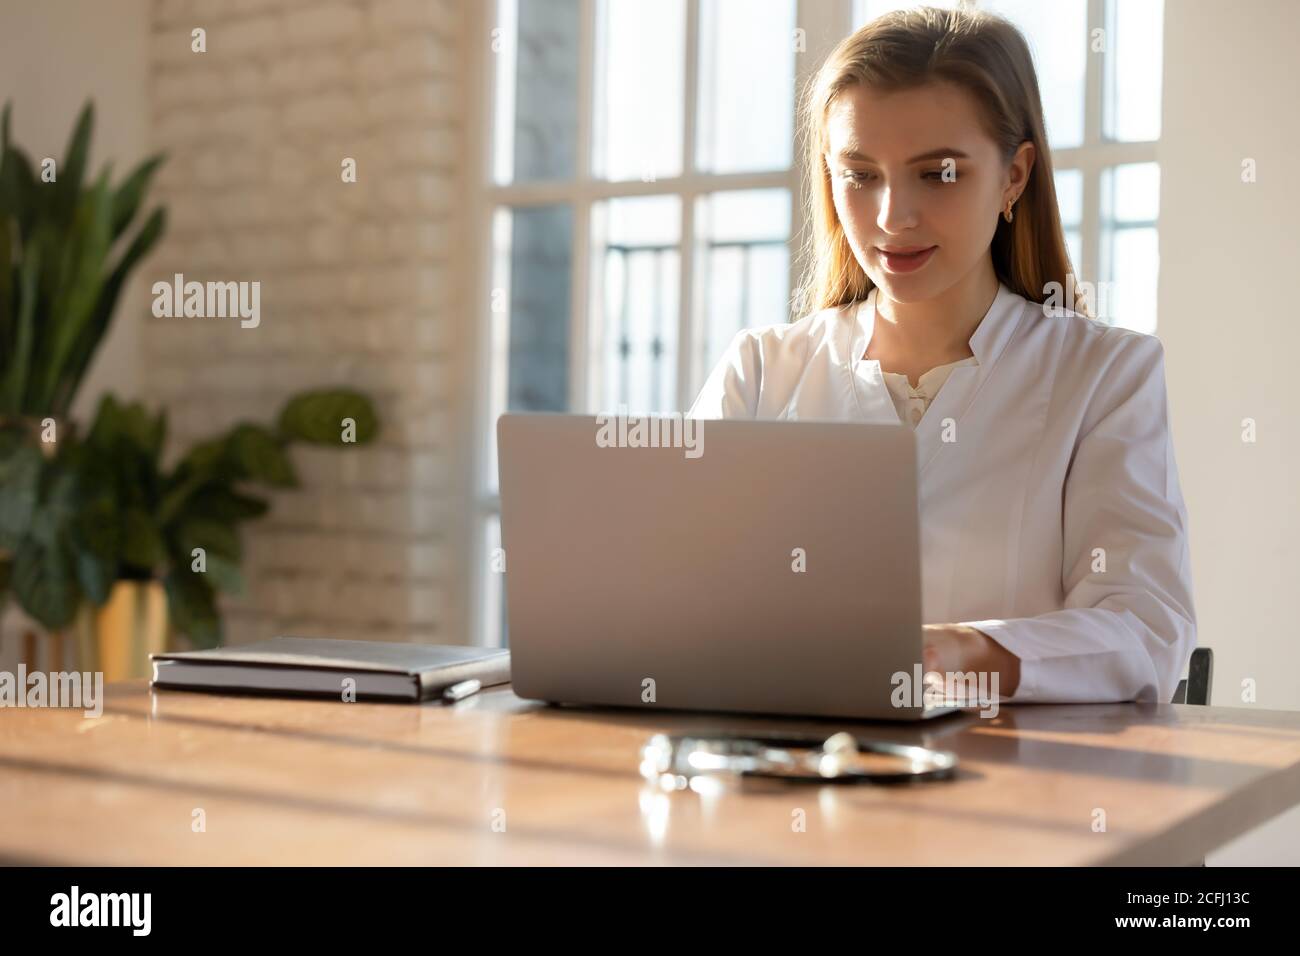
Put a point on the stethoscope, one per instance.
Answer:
(673, 761)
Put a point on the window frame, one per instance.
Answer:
(825, 22)
(1096, 154)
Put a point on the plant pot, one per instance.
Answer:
(119, 637)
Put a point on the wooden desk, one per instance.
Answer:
(321, 782)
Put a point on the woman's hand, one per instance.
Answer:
(959, 648)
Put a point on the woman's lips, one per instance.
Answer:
(901, 262)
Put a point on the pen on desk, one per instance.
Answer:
(462, 690)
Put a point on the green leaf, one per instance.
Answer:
(213, 537)
(97, 542)
(94, 331)
(58, 504)
(6, 286)
(44, 585)
(11, 198)
(80, 285)
(224, 574)
(94, 525)
(158, 436)
(139, 247)
(193, 607)
(20, 473)
(178, 494)
(121, 452)
(14, 389)
(129, 196)
(221, 504)
(106, 427)
(13, 435)
(95, 575)
(206, 457)
(19, 197)
(261, 456)
(143, 431)
(72, 172)
(318, 417)
(142, 545)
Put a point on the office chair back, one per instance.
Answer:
(1195, 687)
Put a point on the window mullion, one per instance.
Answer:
(489, 146)
(686, 331)
(1093, 124)
(580, 252)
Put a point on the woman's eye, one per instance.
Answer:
(858, 177)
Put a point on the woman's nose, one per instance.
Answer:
(897, 210)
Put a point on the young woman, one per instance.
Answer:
(1053, 529)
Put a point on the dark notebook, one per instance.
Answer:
(319, 667)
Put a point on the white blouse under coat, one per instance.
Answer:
(911, 401)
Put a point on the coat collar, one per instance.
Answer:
(987, 343)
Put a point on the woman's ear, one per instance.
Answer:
(1022, 164)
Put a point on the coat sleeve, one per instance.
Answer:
(1128, 626)
(732, 388)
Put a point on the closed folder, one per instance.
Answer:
(321, 667)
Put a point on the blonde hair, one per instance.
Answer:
(984, 55)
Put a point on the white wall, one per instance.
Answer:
(1232, 336)
(360, 286)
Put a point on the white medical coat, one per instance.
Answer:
(1050, 509)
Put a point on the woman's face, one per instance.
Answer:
(914, 170)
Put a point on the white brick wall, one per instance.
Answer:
(359, 288)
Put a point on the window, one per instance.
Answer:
(641, 190)
(642, 183)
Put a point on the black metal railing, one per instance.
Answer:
(655, 350)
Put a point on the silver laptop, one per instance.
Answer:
(764, 567)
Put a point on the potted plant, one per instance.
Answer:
(97, 535)
(66, 251)
(111, 543)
